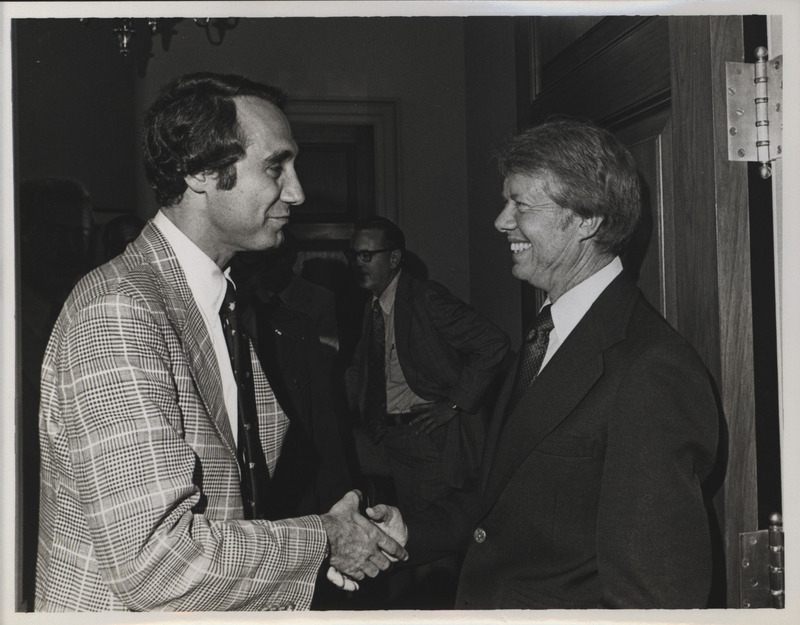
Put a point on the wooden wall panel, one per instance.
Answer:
(627, 76)
(713, 252)
(645, 252)
(554, 36)
(562, 45)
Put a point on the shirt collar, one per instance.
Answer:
(206, 280)
(387, 297)
(570, 308)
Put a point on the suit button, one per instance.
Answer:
(479, 535)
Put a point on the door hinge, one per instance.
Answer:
(761, 580)
(755, 126)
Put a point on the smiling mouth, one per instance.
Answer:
(518, 246)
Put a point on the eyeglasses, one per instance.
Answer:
(365, 256)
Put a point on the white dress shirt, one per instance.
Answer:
(399, 396)
(570, 308)
(208, 284)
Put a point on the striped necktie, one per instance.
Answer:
(531, 356)
(252, 462)
(375, 401)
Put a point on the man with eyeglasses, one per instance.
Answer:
(420, 375)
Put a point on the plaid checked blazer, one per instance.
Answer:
(140, 500)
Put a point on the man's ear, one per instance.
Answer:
(395, 257)
(589, 226)
(199, 182)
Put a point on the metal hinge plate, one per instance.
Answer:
(754, 578)
(754, 111)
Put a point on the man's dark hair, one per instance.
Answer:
(394, 237)
(586, 169)
(192, 127)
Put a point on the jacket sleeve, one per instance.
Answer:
(442, 528)
(140, 484)
(653, 546)
(480, 344)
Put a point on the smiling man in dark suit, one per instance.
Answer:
(591, 493)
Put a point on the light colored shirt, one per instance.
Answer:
(208, 284)
(571, 307)
(399, 396)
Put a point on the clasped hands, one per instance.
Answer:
(362, 546)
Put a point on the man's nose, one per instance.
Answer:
(292, 191)
(505, 221)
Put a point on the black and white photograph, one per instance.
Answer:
(396, 311)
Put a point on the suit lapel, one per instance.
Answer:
(402, 327)
(496, 424)
(188, 322)
(561, 386)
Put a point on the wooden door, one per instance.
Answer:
(659, 84)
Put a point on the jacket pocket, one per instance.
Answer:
(569, 446)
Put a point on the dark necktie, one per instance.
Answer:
(375, 401)
(531, 355)
(252, 462)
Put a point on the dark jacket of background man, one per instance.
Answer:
(277, 309)
(448, 352)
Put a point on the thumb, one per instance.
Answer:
(378, 513)
(352, 498)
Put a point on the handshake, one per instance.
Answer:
(362, 545)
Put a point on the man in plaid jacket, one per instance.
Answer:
(141, 507)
